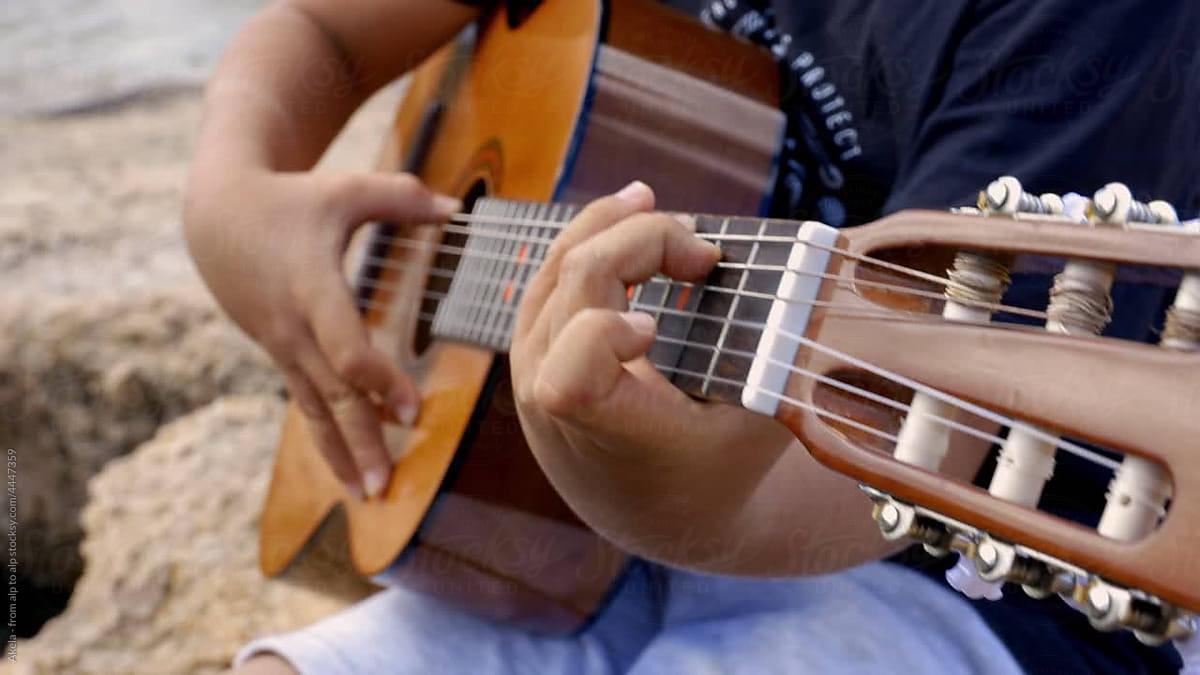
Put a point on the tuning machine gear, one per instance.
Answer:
(994, 562)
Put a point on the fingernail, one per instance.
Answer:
(687, 221)
(355, 490)
(640, 321)
(406, 413)
(375, 480)
(636, 191)
(446, 204)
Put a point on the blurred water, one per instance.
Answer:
(62, 55)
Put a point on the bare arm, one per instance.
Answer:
(299, 69)
(268, 237)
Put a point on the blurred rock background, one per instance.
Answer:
(140, 537)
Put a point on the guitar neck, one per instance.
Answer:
(707, 331)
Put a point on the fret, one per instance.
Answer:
(636, 298)
(751, 260)
(492, 273)
(505, 285)
(498, 275)
(449, 320)
(702, 336)
(726, 320)
(455, 316)
(533, 252)
(707, 381)
(518, 250)
(505, 249)
(698, 355)
(673, 313)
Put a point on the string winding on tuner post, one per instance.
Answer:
(1080, 304)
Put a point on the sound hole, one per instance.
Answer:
(437, 284)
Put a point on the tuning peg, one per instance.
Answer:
(1075, 207)
(1114, 204)
(1005, 195)
(1105, 605)
(1182, 329)
(964, 578)
(1163, 211)
(978, 280)
(899, 521)
(1110, 607)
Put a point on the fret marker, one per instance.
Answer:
(684, 294)
(510, 286)
(790, 313)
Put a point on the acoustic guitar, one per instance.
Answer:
(878, 346)
(565, 104)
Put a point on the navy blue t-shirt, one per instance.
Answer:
(919, 104)
(895, 104)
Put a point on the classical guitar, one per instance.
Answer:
(878, 346)
(565, 104)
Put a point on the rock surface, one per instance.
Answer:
(171, 582)
(107, 330)
(108, 333)
(84, 379)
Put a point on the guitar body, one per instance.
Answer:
(468, 515)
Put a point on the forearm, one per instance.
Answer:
(293, 76)
(804, 518)
(680, 503)
(757, 505)
(761, 511)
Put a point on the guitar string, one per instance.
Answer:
(465, 253)
(992, 416)
(497, 220)
(670, 284)
(895, 267)
(997, 418)
(982, 412)
(844, 386)
(803, 405)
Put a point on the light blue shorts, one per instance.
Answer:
(878, 618)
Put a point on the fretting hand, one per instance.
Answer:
(620, 442)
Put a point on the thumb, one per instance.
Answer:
(586, 361)
(399, 198)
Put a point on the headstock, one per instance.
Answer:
(879, 386)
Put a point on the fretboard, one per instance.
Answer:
(707, 331)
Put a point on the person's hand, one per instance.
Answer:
(270, 247)
(630, 452)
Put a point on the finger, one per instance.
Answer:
(355, 417)
(598, 215)
(399, 198)
(641, 246)
(597, 272)
(344, 340)
(324, 429)
(586, 361)
(597, 387)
